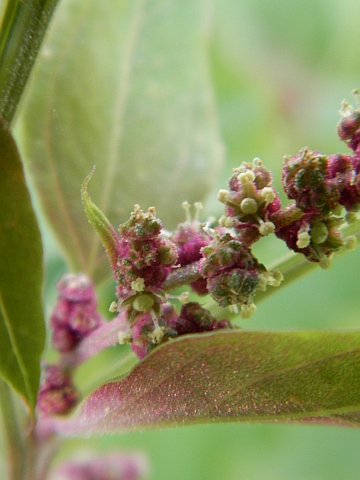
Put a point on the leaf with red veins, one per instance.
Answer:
(237, 376)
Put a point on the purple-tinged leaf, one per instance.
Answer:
(230, 376)
(22, 329)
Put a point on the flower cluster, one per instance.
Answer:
(250, 201)
(57, 394)
(75, 315)
(233, 273)
(322, 186)
(217, 260)
(148, 264)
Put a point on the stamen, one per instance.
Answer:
(186, 207)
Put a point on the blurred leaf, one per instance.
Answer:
(22, 331)
(231, 376)
(22, 29)
(125, 86)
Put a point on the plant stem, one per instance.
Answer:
(23, 28)
(182, 276)
(12, 434)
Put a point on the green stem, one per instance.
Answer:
(23, 28)
(12, 433)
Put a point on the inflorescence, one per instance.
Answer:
(216, 260)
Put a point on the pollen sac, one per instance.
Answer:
(305, 180)
(250, 201)
(75, 315)
(144, 253)
(57, 394)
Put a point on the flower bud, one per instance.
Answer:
(305, 179)
(57, 394)
(75, 314)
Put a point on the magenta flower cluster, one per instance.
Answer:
(57, 394)
(322, 186)
(75, 314)
(74, 317)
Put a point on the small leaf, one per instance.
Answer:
(124, 86)
(22, 330)
(231, 376)
(101, 224)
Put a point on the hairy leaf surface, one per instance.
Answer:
(231, 376)
(22, 331)
(124, 86)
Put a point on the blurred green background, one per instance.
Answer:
(280, 70)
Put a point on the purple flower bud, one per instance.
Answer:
(314, 236)
(343, 171)
(144, 253)
(250, 201)
(306, 180)
(57, 394)
(349, 126)
(149, 330)
(189, 239)
(195, 319)
(233, 274)
(74, 315)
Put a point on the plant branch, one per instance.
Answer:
(22, 31)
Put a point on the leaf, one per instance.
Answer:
(231, 376)
(22, 330)
(124, 86)
(22, 29)
(106, 231)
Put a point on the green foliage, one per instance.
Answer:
(22, 331)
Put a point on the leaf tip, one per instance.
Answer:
(100, 222)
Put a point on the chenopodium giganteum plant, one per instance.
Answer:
(211, 258)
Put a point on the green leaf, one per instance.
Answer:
(22, 331)
(231, 377)
(106, 231)
(22, 29)
(124, 86)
